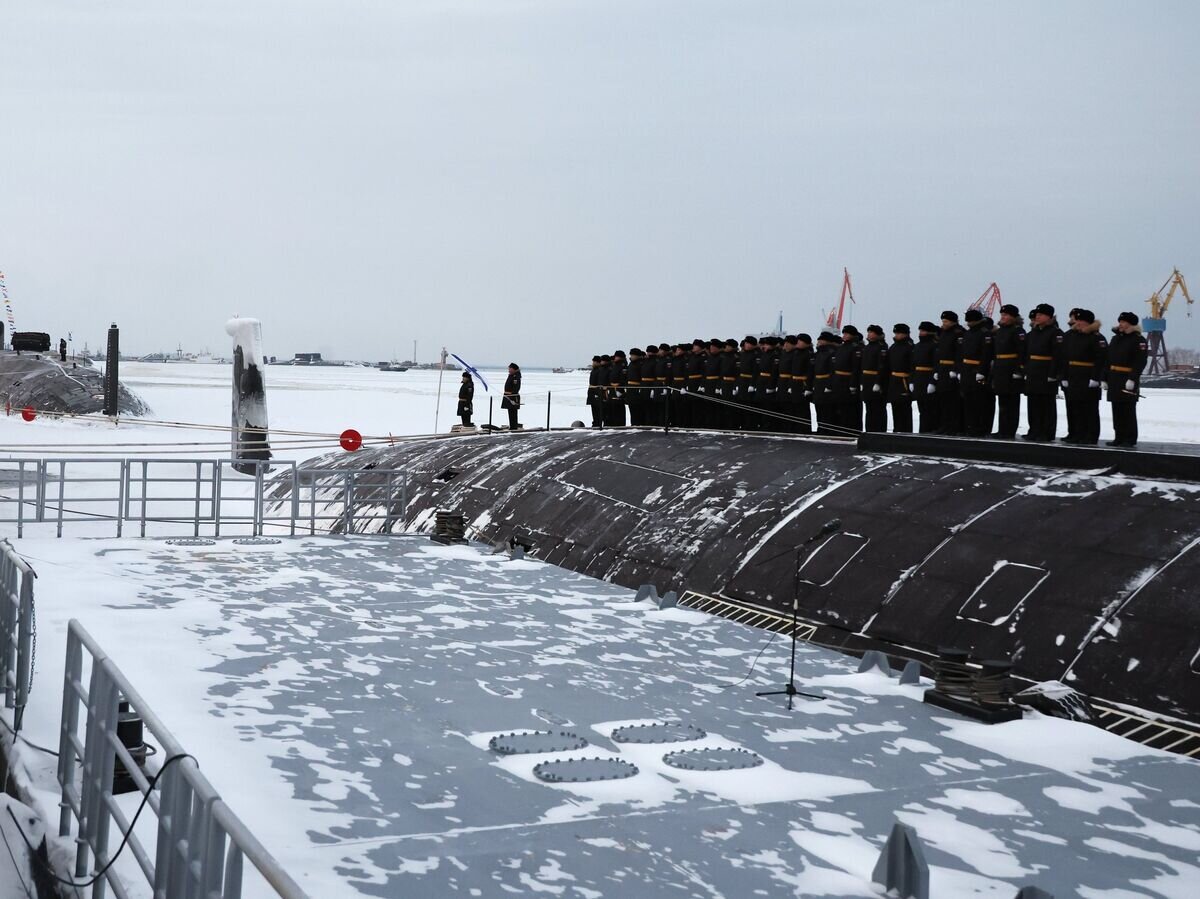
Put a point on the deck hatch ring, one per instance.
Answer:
(712, 759)
(583, 769)
(537, 741)
(659, 732)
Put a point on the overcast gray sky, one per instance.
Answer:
(539, 181)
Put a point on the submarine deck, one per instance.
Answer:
(341, 692)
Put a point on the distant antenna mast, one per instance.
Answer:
(437, 409)
(414, 352)
(8, 310)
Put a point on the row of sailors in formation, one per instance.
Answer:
(955, 376)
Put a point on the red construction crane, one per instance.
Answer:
(831, 323)
(988, 302)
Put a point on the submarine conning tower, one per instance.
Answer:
(1080, 565)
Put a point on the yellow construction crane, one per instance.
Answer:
(1155, 325)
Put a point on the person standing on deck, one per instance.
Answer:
(512, 395)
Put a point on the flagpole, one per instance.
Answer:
(438, 408)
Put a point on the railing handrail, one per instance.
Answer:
(272, 495)
(16, 630)
(186, 792)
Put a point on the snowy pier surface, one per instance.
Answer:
(341, 695)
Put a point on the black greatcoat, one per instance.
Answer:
(466, 396)
(1126, 362)
(635, 394)
(802, 385)
(899, 389)
(847, 370)
(1084, 354)
(1008, 359)
(1043, 365)
(974, 367)
(950, 407)
(512, 398)
(1123, 372)
(512, 392)
(947, 359)
(925, 366)
(900, 377)
(874, 384)
(1043, 360)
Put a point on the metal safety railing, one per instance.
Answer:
(202, 495)
(16, 629)
(200, 845)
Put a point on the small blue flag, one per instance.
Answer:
(471, 368)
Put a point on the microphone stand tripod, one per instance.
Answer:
(789, 689)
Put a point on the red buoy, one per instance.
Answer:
(350, 440)
(28, 413)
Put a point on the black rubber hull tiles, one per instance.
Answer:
(1085, 578)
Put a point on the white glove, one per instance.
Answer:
(1064, 384)
(750, 389)
(876, 389)
(1129, 385)
(912, 388)
(953, 376)
(1017, 376)
(808, 393)
(930, 389)
(1093, 383)
(854, 390)
(979, 378)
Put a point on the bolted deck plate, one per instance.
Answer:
(712, 759)
(580, 770)
(538, 741)
(661, 732)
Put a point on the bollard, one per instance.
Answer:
(873, 658)
(901, 866)
(111, 360)
(950, 672)
(1033, 893)
(991, 685)
(647, 591)
(911, 673)
(249, 433)
(449, 527)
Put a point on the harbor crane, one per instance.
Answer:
(835, 323)
(1155, 324)
(989, 301)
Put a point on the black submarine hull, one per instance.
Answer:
(1083, 576)
(49, 385)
